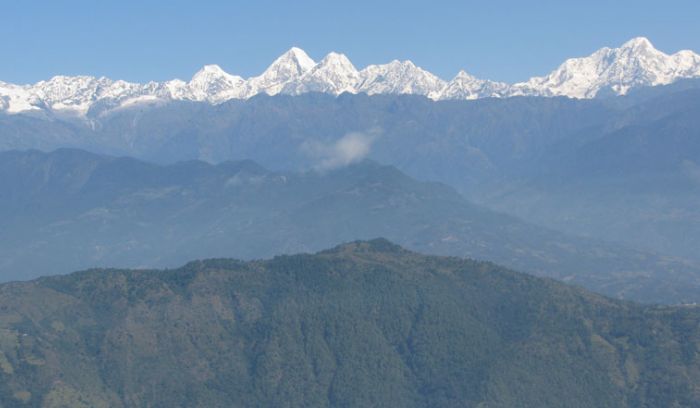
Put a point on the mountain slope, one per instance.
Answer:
(70, 209)
(335, 74)
(213, 84)
(289, 67)
(399, 77)
(311, 330)
(635, 64)
(465, 86)
(510, 154)
(636, 180)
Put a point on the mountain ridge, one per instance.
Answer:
(607, 71)
(122, 212)
(408, 330)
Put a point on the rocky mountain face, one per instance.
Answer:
(607, 71)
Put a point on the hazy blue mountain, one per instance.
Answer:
(635, 181)
(311, 330)
(542, 159)
(71, 210)
(485, 137)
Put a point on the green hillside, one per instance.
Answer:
(366, 324)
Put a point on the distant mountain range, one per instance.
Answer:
(608, 71)
(620, 169)
(366, 324)
(70, 210)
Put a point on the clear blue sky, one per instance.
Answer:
(158, 40)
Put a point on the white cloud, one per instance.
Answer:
(350, 148)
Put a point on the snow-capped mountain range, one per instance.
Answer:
(636, 63)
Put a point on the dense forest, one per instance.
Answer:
(364, 324)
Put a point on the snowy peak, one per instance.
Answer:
(463, 75)
(617, 70)
(209, 73)
(76, 95)
(466, 86)
(336, 63)
(298, 57)
(335, 74)
(213, 84)
(288, 67)
(638, 43)
(17, 99)
(399, 77)
(635, 63)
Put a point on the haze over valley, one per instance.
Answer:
(380, 222)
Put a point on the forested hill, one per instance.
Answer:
(366, 324)
(70, 210)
